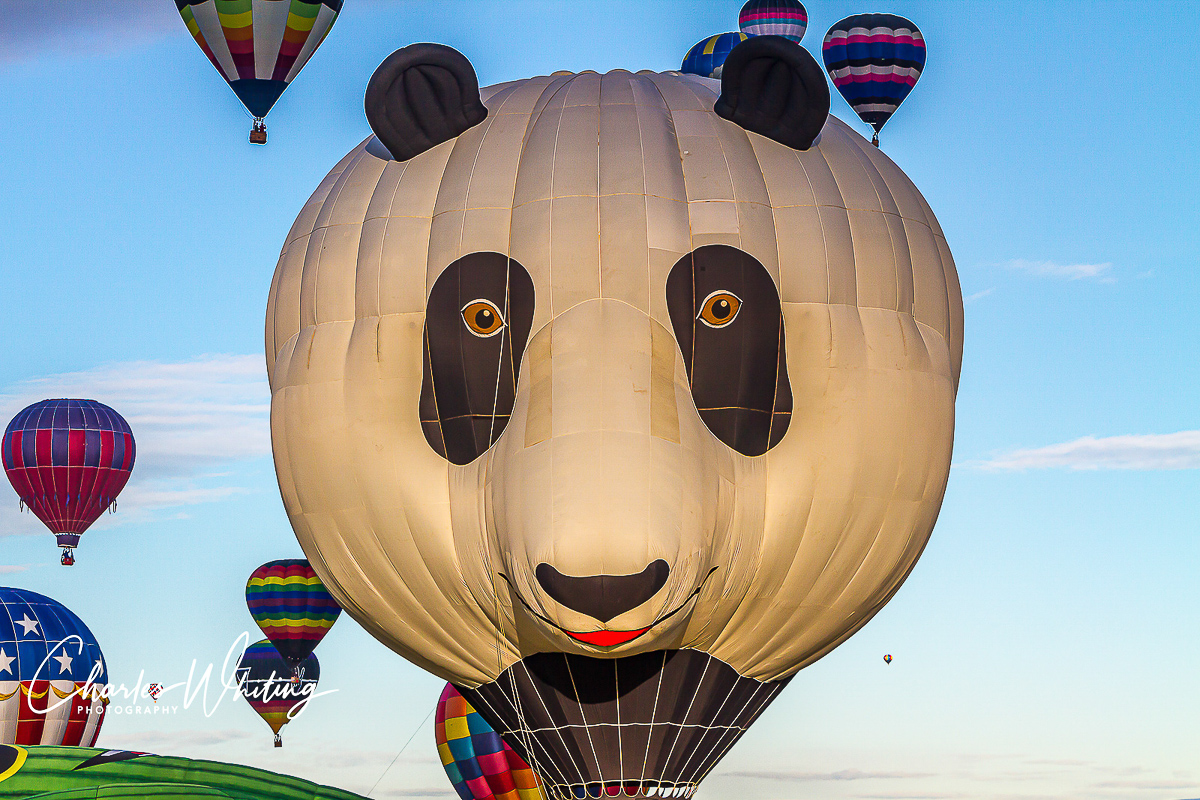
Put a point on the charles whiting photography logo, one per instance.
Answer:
(261, 682)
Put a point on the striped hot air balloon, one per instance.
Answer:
(52, 673)
(259, 46)
(291, 606)
(785, 18)
(477, 761)
(265, 679)
(874, 61)
(68, 461)
(707, 56)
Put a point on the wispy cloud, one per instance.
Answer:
(971, 298)
(1071, 272)
(9, 569)
(189, 418)
(1151, 451)
(81, 27)
(1148, 784)
(168, 741)
(837, 775)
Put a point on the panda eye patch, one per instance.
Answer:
(719, 309)
(738, 373)
(482, 318)
(477, 320)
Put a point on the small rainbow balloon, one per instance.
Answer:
(477, 761)
(290, 604)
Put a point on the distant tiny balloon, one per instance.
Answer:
(888, 658)
(785, 18)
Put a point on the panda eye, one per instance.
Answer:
(482, 318)
(719, 309)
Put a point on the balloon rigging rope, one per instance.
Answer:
(402, 749)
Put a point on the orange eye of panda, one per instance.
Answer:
(482, 318)
(719, 309)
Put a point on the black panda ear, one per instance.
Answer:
(420, 96)
(772, 86)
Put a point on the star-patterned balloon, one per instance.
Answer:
(52, 673)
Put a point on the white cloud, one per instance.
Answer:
(9, 569)
(168, 741)
(837, 775)
(1073, 272)
(189, 419)
(1152, 451)
(971, 298)
(81, 27)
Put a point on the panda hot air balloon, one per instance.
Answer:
(52, 673)
(68, 461)
(874, 61)
(259, 46)
(637, 398)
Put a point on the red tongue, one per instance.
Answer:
(606, 638)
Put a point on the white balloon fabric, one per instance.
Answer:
(711, 430)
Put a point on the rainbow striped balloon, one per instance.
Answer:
(262, 678)
(477, 761)
(786, 18)
(289, 603)
(258, 47)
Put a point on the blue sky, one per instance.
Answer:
(1046, 645)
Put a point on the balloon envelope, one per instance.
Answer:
(477, 761)
(47, 656)
(708, 55)
(786, 18)
(68, 461)
(289, 603)
(264, 679)
(258, 46)
(874, 61)
(83, 773)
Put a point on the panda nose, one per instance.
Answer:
(603, 596)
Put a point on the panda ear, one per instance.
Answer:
(420, 96)
(772, 86)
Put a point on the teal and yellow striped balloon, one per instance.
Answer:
(289, 603)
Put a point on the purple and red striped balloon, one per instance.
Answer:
(68, 461)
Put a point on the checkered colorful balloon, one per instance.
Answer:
(477, 761)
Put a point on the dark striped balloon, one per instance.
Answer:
(786, 18)
(874, 61)
(68, 461)
(265, 679)
(289, 603)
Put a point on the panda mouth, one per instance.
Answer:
(610, 638)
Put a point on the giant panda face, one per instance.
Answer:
(607, 373)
